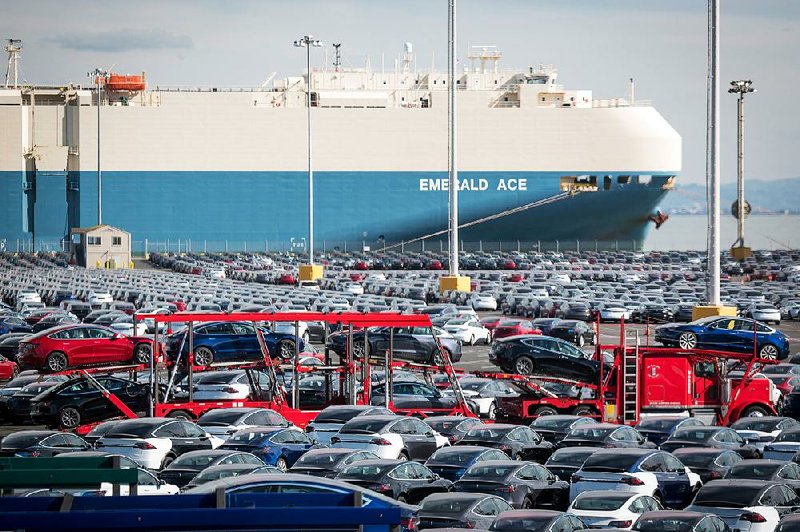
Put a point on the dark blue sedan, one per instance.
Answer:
(229, 342)
(278, 447)
(452, 462)
(726, 334)
(12, 324)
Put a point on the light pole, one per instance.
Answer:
(97, 73)
(740, 87)
(307, 42)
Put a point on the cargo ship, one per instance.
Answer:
(537, 161)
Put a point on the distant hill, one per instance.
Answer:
(765, 197)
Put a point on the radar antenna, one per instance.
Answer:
(13, 49)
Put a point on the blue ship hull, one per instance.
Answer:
(372, 207)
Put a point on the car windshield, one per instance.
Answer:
(446, 506)
(21, 440)
(509, 322)
(217, 378)
(216, 474)
(665, 524)
(220, 415)
(552, 423)
(101, 429)
(473, 386)
(490, 471)
(455, 455)
(135, 429)
(365, 471)
(569, 458)
(692, 435)
(793, 436)
(192, 460)
(725, 497)
(611, 462)
(248, 437)
(337, 415)
(657, 424)
(443, 425)
(320, 459)
(754, 471)
(604, 502)
(532, 523)
(758, 424)
(590, 433)
(696, 459)
(488, 433)
(364, 426)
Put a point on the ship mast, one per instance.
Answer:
(13, 49)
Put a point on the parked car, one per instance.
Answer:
(785, 445)
(484, 391)
(545, 356)
(416, 396)
(67, 346)
(553, 428)
(184, 468)
(658, 429)
(567, 461)
(406, 481)
(718, 437)
(452, 462)
(537, 521)
(514, 327)
(760, 431)
(328, 422)
(329, 462)
(79, 401)
(219, 472)
(44, 443)
(460, 510)
(574, 331)
(13, 324)
(18, 407)
(604, 508)
(468, 330)
(674, 520)
(709, 463)
(763, 312)
(518, 442)
(451, 427)
(753, 505)
(229, 385)
(777, 470)
(223, 422)
(278, 447)
(605, 435)
(521, 484)
(388, 437)
(416, 344)
(728, 334)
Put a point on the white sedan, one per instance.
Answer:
(764, 312)
(618, 509)
(483, 301)
(469, 330)
(613, 312)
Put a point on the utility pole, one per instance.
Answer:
(98, 73)
(741, 208)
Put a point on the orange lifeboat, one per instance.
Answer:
(118, 82)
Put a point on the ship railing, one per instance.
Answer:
(621, 102)
(212, 89)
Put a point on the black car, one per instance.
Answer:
(403, 480)
(675, 520)
(574, 311)
(518, 442)
(99, 430)
(78, 401)
(546, 324)
(521, 484)
(18, 407)
(462, 510)
(553, 428)
(9, 344)
(53, 320)
(564, 462)
(652, 313)
(683, 312)
(452, 462)
(452, 427)
(329, 462)
(184, 468)
(790, 406)
(716, 437)
(777, 470)
(416, 344)
(709, 463)
(218, 472)
(537, 521)
(658, 429)
(574, 331)
(605, 435)
(545, 356)
(414, 395)
(45, 443)
(732, 499)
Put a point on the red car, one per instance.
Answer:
(513, 327)
(63, 347)
(8, 369)
(490, 322)
(286, 278)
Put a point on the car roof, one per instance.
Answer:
(701, 450)
(530, 513)
(459, 495)
(741, 483)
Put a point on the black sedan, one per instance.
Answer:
(521, 484)
(18, 406)
(461, 510)
(574, 311)
(709, 463)
(546, 324)
(541, 355)
(414, 395)
(553, 428)
(416, 344)
(664, 520)
(329, 462)
(78, 401)
(652, 313)
(716, 437)
(184, 468)
(403, 480)
(564, 462)
(537, 521)
(658, 429)
(218, 472)
(520, 443)
(45, 443)
(452, 427)
(605, 435)
(574, 331)
(777, 470)
(9, 344)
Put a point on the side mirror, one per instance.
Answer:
(429, 434)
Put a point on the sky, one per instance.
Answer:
(595, 44)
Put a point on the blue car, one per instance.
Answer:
(452, 462)
(229, 342)
(278, 447)
(12, 324)
(725, 334)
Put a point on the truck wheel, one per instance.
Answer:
(545, 411)
(755, 411)
(583, 410)
(180, 414)
(687, 340)
(768, 351)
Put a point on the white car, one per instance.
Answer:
(393, 437)
(331, 419)
(469, 330)
(645, 471)
(483, 301)
(96, 299)
(28, 296)
(155, 442)
(761, 431)
(353, 288)
(612, 509)
(764, 312)
(746, 505)
(614, 312)
(785, 445)
(232, 385)
(127, 328)
(287, 327)
(148, 484)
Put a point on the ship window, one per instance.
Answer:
(623, 179)
(645, 179)
(93, 240)
(116, 240)
(542, 98)
(607, 182)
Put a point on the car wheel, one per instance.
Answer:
(69, 418)
(545, 411)
(403, 456)
(358, 350)
(281, 464)
(203, 356)
(687, 340)
(167, 461)
(286, 349)
(57, 361)
(755, 411)
(472, 340)
(768, 351)
(437, 358)
(141, 354)
(524, 365)
(492, 414)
